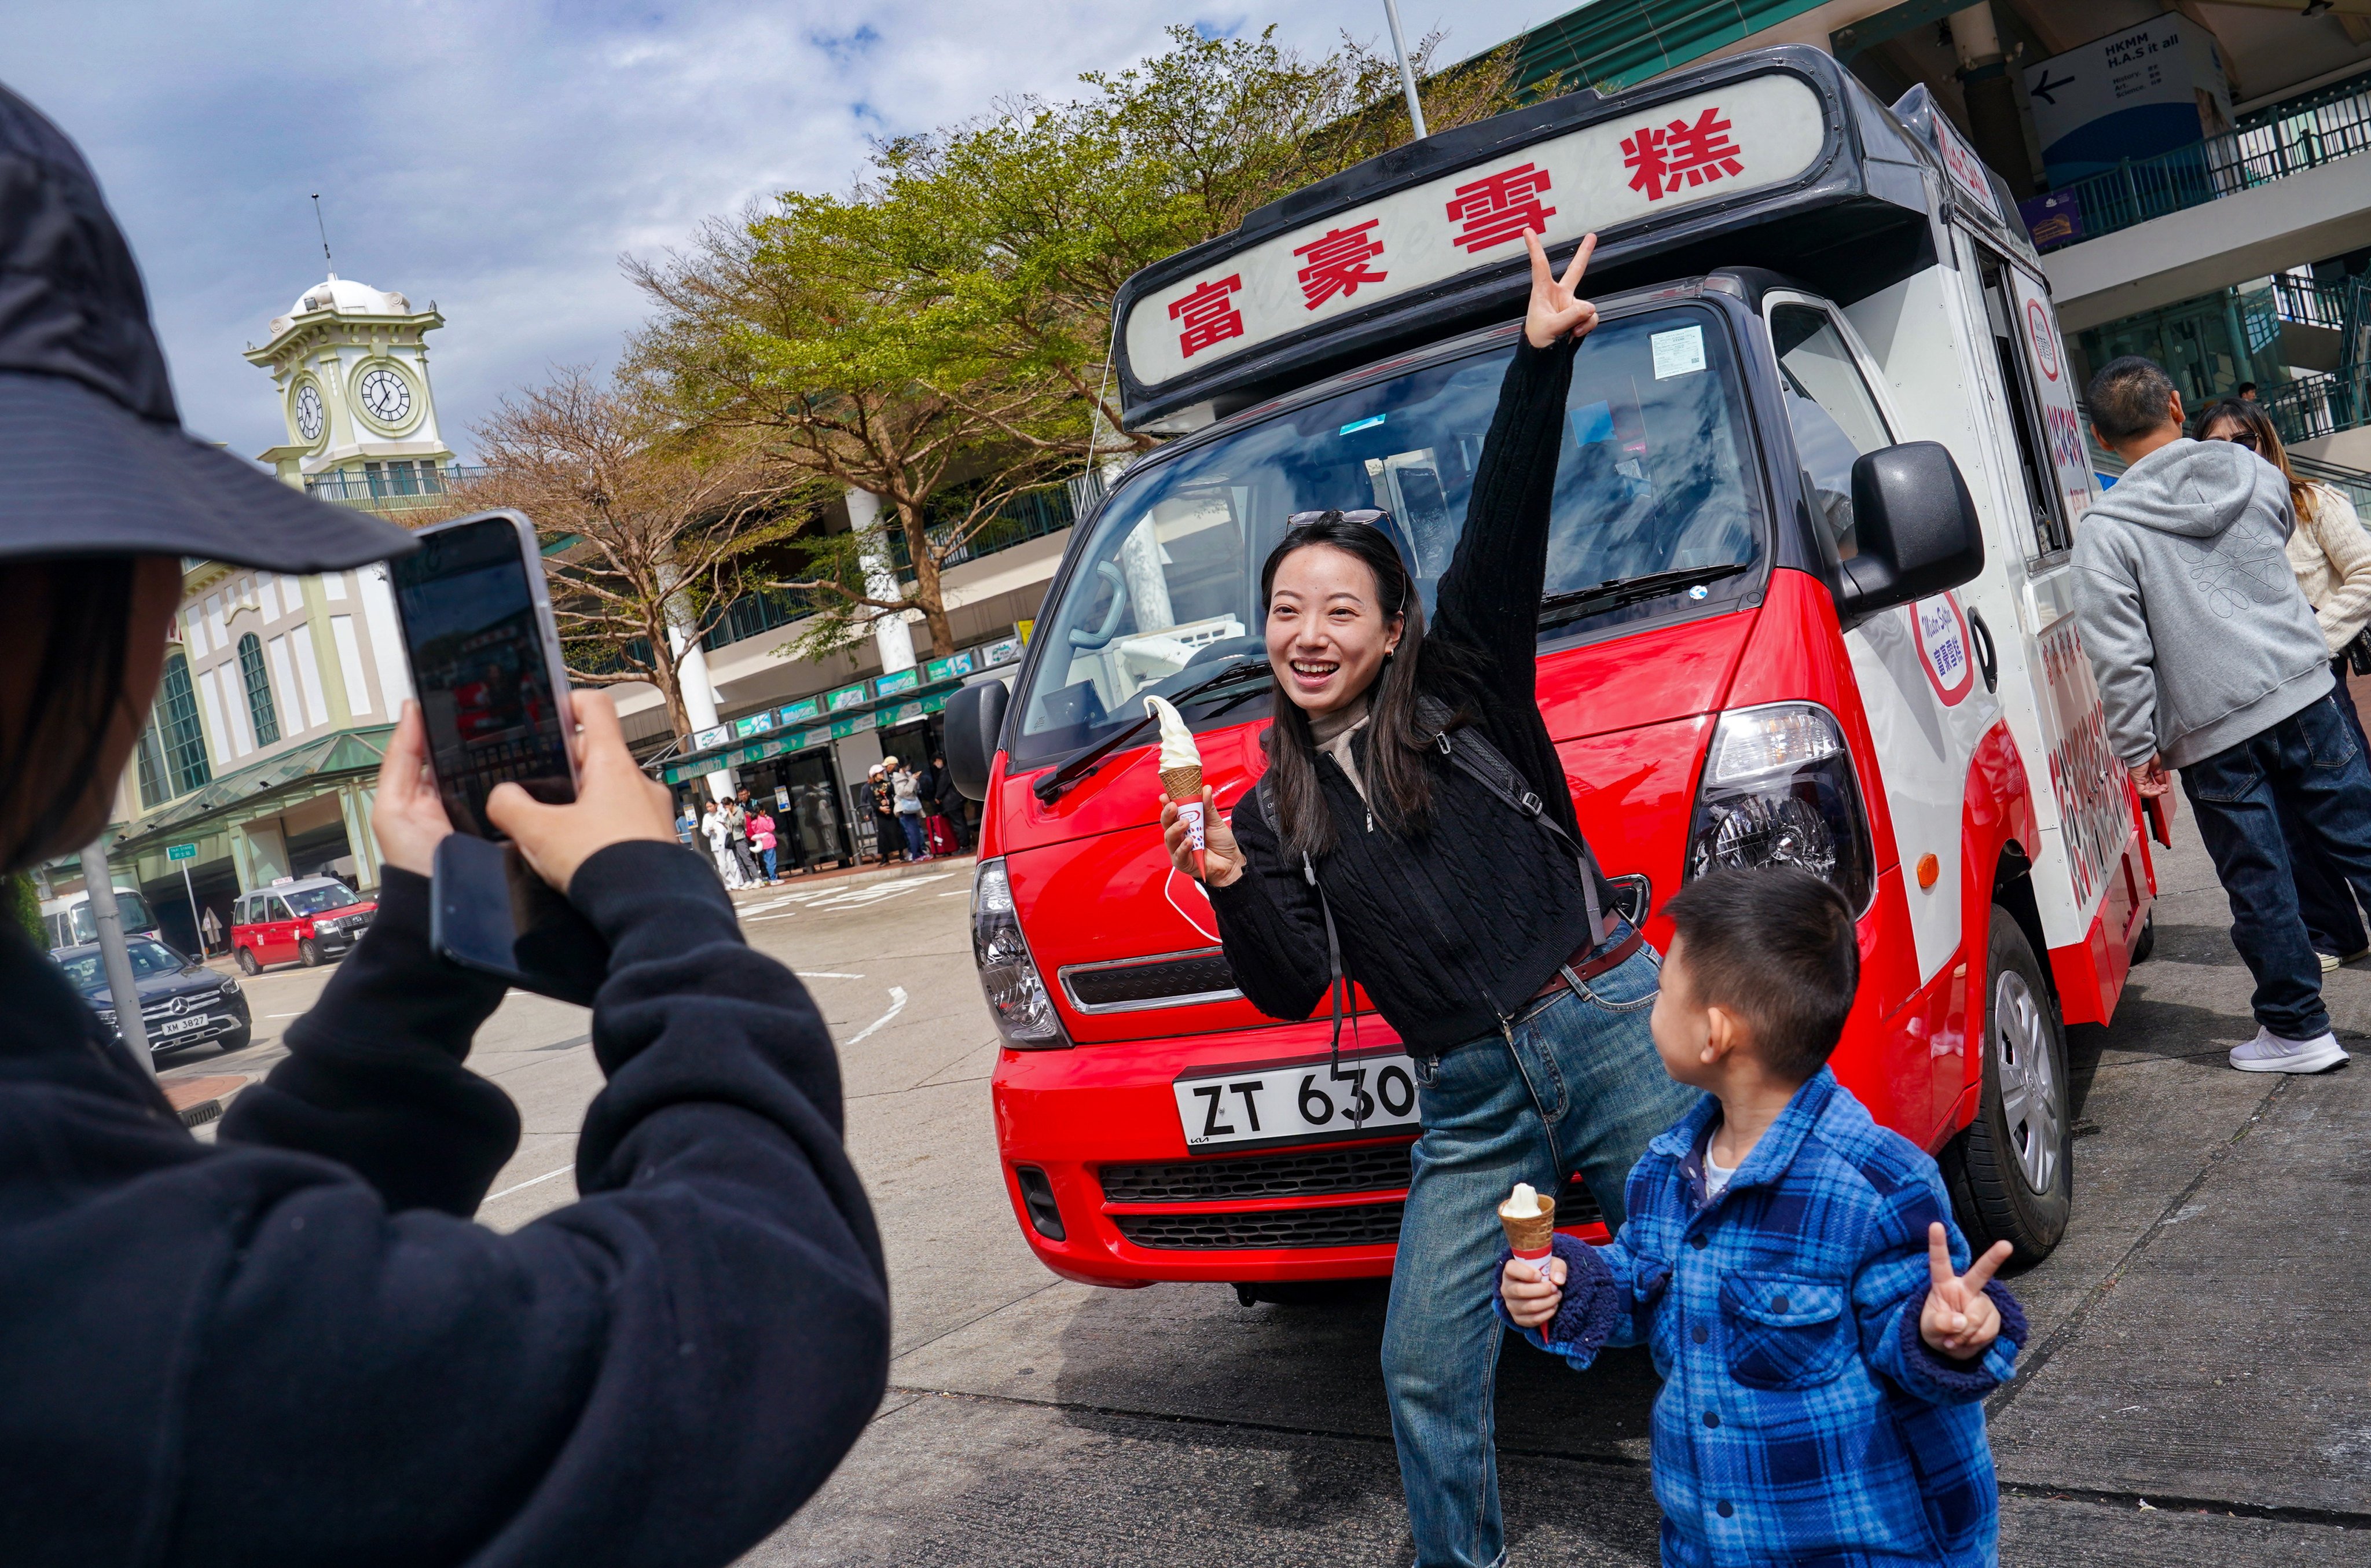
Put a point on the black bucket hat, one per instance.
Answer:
(93, 458)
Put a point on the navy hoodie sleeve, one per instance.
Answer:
(660, 1372)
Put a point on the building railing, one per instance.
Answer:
(390, 486)
(2309, 303)
(2322, 405)
(2273, 143)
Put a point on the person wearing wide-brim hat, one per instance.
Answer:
(294, 1345)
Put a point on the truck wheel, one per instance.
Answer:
(309, 953)
(2145, 943)
(2011, 1174)
(246, 964)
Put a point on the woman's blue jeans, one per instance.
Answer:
(2312, 765)
(910, 824)
(1580, 1089)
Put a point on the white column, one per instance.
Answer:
(698, 691)
(891, 635)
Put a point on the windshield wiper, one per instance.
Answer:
(1558, 609)
(1054, 785)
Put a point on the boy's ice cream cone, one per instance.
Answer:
(1181, 774)
(1529, 1218)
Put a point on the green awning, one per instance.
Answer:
(1618, 43)
(347, 752)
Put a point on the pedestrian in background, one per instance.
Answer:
(294, 1344)
(2330, 553)
(761, 840)
(886, 831)
(2210, 661)
(950, 803)
(906, 800)
(686, 826)
(718, 831)
(736, 822)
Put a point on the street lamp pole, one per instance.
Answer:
(122, 990)
(1407, 73)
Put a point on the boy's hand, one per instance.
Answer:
(1532, 1300)
(1958, 1319)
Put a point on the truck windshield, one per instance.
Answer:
(1653, 475)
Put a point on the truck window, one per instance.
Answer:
(2049, 532)
(1835, 419)
(1653, 475)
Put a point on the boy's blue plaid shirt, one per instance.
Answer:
(1802, 1419)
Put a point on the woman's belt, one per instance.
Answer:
(1583, 966)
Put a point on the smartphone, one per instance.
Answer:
(487, 664)
(493, 688)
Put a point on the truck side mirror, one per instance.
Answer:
(974, 719)
(1917, 528)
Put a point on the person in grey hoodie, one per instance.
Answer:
(2210, 661)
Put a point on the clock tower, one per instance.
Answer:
(350, 364)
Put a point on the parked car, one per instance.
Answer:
(181, 1001)
(307, 921)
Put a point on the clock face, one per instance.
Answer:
(385, 396)
(308, 412)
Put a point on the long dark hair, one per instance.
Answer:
(1398, 787)
(50, 751)
(2252, 418)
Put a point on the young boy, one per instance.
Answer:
(1792, 1267)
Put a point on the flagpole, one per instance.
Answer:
(1408, 75)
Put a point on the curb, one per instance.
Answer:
(201, 1100)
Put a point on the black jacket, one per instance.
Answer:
(295, 1346)
(1451, 930)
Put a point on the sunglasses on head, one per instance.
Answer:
(1368, 515)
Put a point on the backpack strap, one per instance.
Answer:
(1475, 757)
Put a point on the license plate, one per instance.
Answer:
(180, 1025)
(1299, 1103)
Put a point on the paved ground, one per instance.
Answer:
(2198, 1390)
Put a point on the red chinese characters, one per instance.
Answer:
(1208, 315)
(1662, 159)
(1337, 262)
(1500, 207)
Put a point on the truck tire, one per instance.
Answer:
(2011, 1172)
(2146, 942)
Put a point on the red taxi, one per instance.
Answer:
(303, 920)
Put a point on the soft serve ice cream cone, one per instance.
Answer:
(1529, 1218)
(1181, 773)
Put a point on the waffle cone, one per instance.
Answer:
(1530, 1233)
(1182, 783)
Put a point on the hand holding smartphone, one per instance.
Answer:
(493, 693)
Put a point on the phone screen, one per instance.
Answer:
(483, 666)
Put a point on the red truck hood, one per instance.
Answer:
(1092, 883)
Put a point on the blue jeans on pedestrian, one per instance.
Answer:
(2332, 921)
(2310, 763)
(1578, 1088)
(910, 824)
(769, 853)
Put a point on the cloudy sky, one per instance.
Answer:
(498, 156)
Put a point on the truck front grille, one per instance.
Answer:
(1360, 1224)
(1165, 980)
(1314, 1173)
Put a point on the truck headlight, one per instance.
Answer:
(1778, 791)
(1017, 997)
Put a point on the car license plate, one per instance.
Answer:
(1298, 1104)
(180, 1025)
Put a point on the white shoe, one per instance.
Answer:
(2268, 1053)
(2330, 961)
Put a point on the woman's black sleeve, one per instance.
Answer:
(374, 1077)
(659, 1372)
(1489, 597)
(1269, 922)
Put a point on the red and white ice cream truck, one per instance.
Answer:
(1759, 644)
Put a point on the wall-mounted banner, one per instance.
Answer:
(847, 698)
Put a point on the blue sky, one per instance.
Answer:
(498, 156)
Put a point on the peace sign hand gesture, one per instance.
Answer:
(1556, 310)
(1958, 1319)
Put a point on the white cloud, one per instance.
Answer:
(498, 157)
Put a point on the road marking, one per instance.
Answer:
(956, 893)
(783, 916)
(285, 1015)
(897, 1006)
(824, 974)
(539, 1180)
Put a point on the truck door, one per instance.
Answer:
(2086, 820)
(1915, 666)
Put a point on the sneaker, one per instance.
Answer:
(2268, 1053)
(2330, 961)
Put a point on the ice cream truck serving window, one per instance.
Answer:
(1653, 477)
